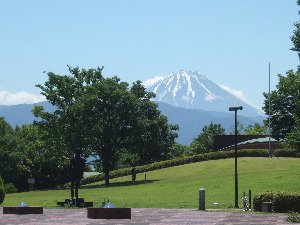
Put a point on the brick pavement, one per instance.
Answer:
(144, 216)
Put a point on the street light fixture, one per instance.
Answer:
(235, 109)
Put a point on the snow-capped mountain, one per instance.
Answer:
(193, 90)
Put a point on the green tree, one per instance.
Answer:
(105, 117)
(284, 102)
(292, 139)
(284, 105)
(256, 129)
(125, 122)
(205, 140)
(2, 191)
(240, 129)
(14, 166)
(65, 128)
(47, 167)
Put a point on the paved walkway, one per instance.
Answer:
(144, 216)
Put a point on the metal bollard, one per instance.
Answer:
(202, 199)
(250, 199)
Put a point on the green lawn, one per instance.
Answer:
(178, 187)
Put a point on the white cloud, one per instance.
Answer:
(211, 97)
(240, 95)
(236, 93)
(22, 97)
(148, 82)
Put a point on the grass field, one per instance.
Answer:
(178, 187)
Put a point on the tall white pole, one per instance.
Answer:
(269, 109)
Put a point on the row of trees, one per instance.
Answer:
(23, 154)
(204, 142)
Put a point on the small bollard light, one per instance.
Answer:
(201, 199)
(145, 178)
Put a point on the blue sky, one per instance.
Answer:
(231, 42)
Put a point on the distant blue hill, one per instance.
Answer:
(21, 114)
(190, 121)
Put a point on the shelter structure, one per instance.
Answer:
(227, 142)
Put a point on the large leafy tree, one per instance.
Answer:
(284, 101)
(284, 104)
(65, 128)
(125, 120)
(205, 140)
(15, 165)
(104, 116)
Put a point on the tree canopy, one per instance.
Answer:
(105, 117)
(256, 129)
(284, 101)
(205, 141)
(284, 104)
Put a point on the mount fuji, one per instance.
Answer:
(188, 99)
(193, 90)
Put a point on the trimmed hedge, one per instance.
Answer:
(175, 162)
(282, 202)
(2, 191)
(286, 153)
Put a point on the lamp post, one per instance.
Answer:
(235, 109)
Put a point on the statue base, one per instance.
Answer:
(78, 202)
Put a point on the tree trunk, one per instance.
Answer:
(106, 165)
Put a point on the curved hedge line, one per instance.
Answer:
(282, 202)
(286, 153)
(176, 162)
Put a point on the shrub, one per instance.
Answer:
(293, 217)
(259, 198)
(10, 188)
(286, 153)
(2, 191)
(282, 202)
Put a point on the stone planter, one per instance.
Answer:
(109, 213)
(22, 210)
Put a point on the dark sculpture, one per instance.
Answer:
(133, 174)
(77, 164)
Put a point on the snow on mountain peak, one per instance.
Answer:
(182, 87)
(192, 89)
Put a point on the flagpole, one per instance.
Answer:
(269, 110)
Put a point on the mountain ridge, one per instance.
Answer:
(187, 98)
(190, 121)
